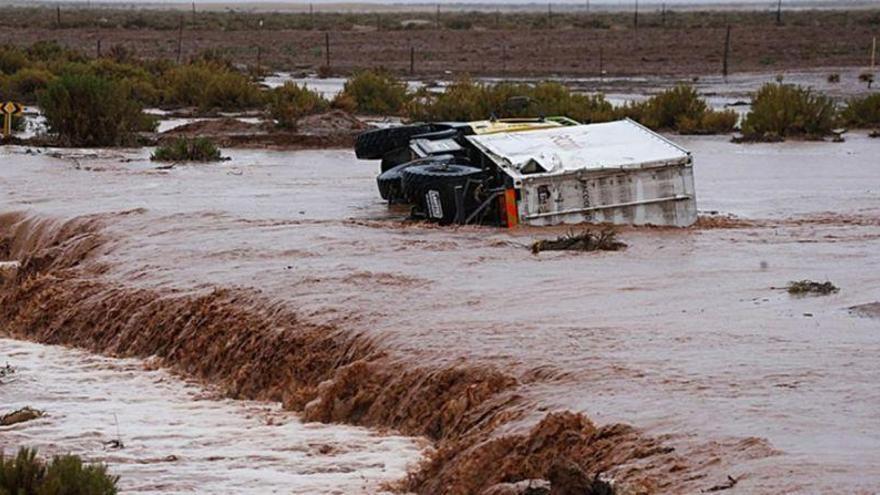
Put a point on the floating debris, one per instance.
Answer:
(727, 485)
(809, 287)
(588, 240)
(6, 371)
(20, 416)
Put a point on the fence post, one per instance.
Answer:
(779, 13)
(99, 48)
(327, 48)
(58, 16)
(180, 39)
(636, 16)
(601, 62)
(874, 53)
(412, 60)
(724, 70)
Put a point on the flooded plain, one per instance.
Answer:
(687, 334)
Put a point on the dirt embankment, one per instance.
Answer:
(257, 349)
(334, 129)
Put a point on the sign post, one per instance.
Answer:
(9, 109)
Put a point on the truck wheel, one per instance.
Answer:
(374, 144)
(390, 181)
(432, 188)
(396, 157)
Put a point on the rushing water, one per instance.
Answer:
(179, 437)
(686, 334)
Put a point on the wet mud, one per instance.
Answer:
(282, 276)
(335, 129)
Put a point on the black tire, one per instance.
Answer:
(390, 181)
(431, 188)
(441, 134)
(396, 157)
(374, 144)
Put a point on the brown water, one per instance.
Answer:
(685, 334)
(180, 438)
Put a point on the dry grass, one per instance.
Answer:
(809, 287)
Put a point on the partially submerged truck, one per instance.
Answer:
(544, 171)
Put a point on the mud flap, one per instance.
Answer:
(509, 215)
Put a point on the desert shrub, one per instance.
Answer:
(862, 112)
(679, 109)
(711, 122)
(143, 91)
(462, 100)
(784, 110)
(376, 92)
(111, 69)
(231, 91)
(24, 84)
(290, 102)
(466, 100)
(834, 78)
(12, 60)
(45, 51)
(209, 86)
(344, 102)
(87, 110)
(184, 149)
(26, 474)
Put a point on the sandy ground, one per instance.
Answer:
(686, 334)
(181, 438)
(573, 52)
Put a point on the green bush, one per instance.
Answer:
(210, 87)
(679, 109)
(187, 150)
(862, 112)
(44, 51)
(784, 110)
(26, 474)
(87, 110)
(376, 92)
(466, 100)
(26, 83)
(12, 60)
(290, 102)
(711, 122)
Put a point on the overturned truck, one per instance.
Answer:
(544, 171)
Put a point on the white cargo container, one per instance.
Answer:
(616, 172)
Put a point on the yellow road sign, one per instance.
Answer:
(13, 108)
(9, 109)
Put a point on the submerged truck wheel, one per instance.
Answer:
(390, 181)
(375, 144)
(431, 188)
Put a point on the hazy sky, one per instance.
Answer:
(574, 2)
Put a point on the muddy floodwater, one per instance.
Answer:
(180, 438)
(688, 334)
